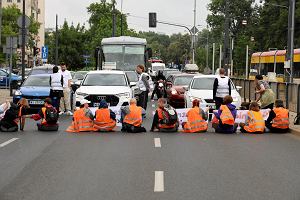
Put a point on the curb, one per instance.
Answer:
(295, 131)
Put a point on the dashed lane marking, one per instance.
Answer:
(157, 143)
(8, 142)
(159, 181)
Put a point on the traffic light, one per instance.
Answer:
(36, 51)
(152, 20)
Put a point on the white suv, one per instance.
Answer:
(112, 86)
(201, 87)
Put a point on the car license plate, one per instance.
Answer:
(36, 102)
(98, 104)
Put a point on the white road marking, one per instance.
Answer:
(8, 142)
(159, 181)
(157, 143)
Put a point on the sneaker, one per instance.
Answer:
(61, 113)
(69, 113)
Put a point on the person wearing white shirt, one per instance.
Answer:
(65, 104)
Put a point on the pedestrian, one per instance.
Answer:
(165, 118)
(224, 121)
(221, 88)
(132, 118)
(82, 119)
(48, 116)
(255, 122)
(196, 119)
(266, 95)
(278, 120)
(23, 107)
(65, 102)
(105, 119)
(56, 87)
(144, 86)
(9, 123)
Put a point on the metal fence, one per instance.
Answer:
(289, 93)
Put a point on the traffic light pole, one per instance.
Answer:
(291, 32)
(226, 38)
(23, 41)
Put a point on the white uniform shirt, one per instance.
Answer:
(67, 76)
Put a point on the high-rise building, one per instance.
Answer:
(35, 9)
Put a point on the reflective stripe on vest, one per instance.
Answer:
(223, 87)
(281, 120)
(195, 122)
(162, 115)
(256, 122)
(134, 117)
(226, 116)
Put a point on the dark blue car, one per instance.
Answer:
(4, 79)
(35, 89)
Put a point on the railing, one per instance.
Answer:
(289, 93)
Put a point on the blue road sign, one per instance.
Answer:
(45, 52)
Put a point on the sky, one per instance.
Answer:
(174, 11)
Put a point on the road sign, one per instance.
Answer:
(45, 52)
(194, 30)
(20, 22)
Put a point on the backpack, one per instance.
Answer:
(172, 117)
(51, 115)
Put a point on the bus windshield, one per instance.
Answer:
(124, 57)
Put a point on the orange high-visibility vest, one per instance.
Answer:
(281, 120)
(135, 116)
(81, 123)
(256, 122)
(161, 116)
(195, 121)
(103, 122)
(226, 116)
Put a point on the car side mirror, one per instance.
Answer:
(132, 84)
(186, 88)
(78, 83)
(238, 88)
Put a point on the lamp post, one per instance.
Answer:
(122, 18)
(0, 22)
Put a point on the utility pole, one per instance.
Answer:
(291, 32)
(207, 51)
(226, 37)
(23, 40)
(247, 61)
(194, 34)
(213, 58)
(56, 41)
(1, 22)
(114, 19)
(122, 18)
(220, 61)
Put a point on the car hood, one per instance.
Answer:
(35, 91)
(208, 94)
(179, 89)
(111, 90)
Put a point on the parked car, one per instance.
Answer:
(36, 88)
(4, 79)
(45, 69)
(201, 88)
(175, 89)
(113, 86)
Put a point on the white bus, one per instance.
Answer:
(122, 53)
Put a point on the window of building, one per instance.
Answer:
(9, 1)
(19, 1)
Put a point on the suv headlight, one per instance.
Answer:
(81, 94)
(126, 95)
(18, 93)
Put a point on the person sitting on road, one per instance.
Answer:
(278, 120)
(196, 119)
(224, 121)
(105, 119)
(255, 122)
(132, 118)
(82, 119)
(9, 123)
(49, 116)
(23, 107)
(165, 118)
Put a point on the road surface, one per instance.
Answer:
(113, 166)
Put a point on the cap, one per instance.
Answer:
(84, 101)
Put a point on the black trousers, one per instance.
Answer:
(55, 96)
(276, 130)
(143, 100)
(219, 102)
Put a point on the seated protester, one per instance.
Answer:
(225, 117)
(9, 123)
(49, 116)
(165, 118)
(23, 107)
(255, 122)
(196, 119)
(132, 118)
(278, 121)
(82, 119)
(105, 119)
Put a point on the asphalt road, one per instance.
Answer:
(114, 166)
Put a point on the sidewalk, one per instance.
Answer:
(4, 95)
(295, 129)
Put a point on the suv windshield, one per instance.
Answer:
(79, 75)
(132, 76)
(40, 81)
(105, 80)
(183, 80)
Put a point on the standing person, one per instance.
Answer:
(266, 94)
(160, 77)
(105, 118)
(278, 121)
(56, 84)
(222, 88)
(65, 104)
(144, 86)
